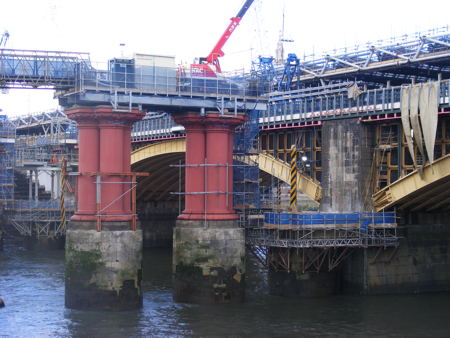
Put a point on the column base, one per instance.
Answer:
(208, 262)
(103, 269)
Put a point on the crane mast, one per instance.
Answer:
(204, 67)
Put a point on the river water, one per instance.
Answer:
(32, 286)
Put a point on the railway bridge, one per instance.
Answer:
(371, 129)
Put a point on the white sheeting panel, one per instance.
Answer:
(429, 116)
(405, 121)
(414, 117)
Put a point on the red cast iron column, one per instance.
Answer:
(104, 147)
(194, 170)
(88, 161)
(209, 158)
(111, 161)
(127, 168)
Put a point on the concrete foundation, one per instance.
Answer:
(421, 263)
(103, 268)
(208, 262)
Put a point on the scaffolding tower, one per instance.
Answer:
(7, 140)
(41, 143)
(246, 196)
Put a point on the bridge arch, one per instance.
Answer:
(157, 157)
(426, 191)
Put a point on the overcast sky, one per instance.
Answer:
(190, 28)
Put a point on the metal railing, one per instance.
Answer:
(324, 230)
(40, 218)
(171, 81)
(34, 68)
(304, 105)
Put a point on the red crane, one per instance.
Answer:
(209, 66)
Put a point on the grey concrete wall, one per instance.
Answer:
(347, 155)
(421, 263)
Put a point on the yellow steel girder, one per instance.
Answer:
(281, 170)
(407, 187)
(159, 148)
(266, 163)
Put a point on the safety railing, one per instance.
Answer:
(42, 154)
(172, 81)
(322, 230)
(32, 68)
(304, 105)
(156, 126)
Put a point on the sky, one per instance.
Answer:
(190, 28)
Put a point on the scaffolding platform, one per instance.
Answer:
(40, 218)
(322, 230)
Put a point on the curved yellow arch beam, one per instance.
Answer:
(281, 170)
(414, 191)
(266, 163)
(159, 148)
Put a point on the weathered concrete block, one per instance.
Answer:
(103, 268)
(347, 151)
(421, 263)
(208, 262)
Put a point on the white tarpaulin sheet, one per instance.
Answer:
(419, 111)
(414, 118)
(405, 121)
(429, 116)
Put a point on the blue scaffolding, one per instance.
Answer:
(323, 230)
(263, 75)
(7, 140)
(245, 169)
(290, 80)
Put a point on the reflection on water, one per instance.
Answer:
(32, 285)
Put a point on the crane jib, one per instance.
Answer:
(244, 9)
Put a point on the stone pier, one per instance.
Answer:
(347, 154)
(421, 262)
(209, 245)
(103, 240)
(347, 150)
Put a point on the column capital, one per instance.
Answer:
(209, 120)
(104, 113)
